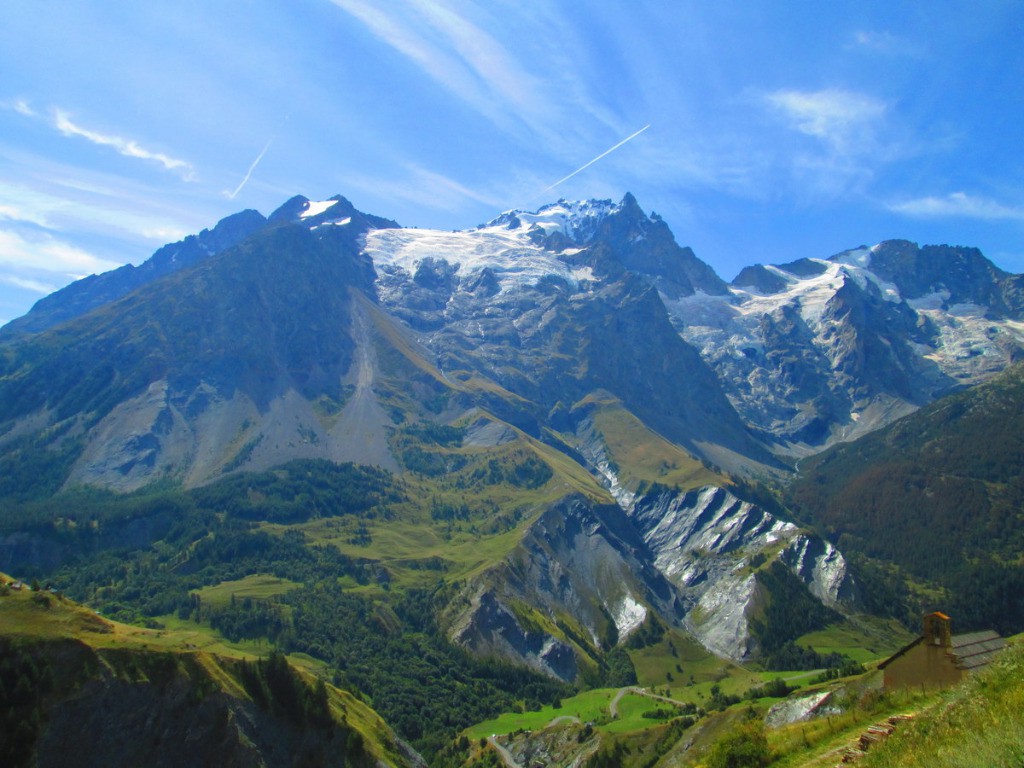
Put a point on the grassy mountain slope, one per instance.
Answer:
(72, 682)
(365, 559)
(980, 723)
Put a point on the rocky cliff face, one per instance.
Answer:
(816, 351)
(691, 559)
(710, 544)
(579, 582)
(78, 689)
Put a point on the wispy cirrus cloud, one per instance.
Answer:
(885, 43)
(18, 213)
(843, 120)
(45, 252)
(459, 55)
(76, 205)
(957, 204)
(425, 188)
(28, 284)
(22, 108)
(128, 147)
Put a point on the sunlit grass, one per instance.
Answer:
(257, 586)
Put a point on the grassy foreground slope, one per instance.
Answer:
(980, 723)
(72, 682)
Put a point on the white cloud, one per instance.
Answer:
(47, 253)
(22, 108)
(883, 41)
(461, 57)
(424, 188)
(875, 42)
(17, 213)
(127, 147)
(97, 210)
(164, 234)
(27, 284)
(958, 204)
(842, 119)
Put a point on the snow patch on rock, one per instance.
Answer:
(316, 207)
(629, 615)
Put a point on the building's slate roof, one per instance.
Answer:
(969, 651)
(976, 649)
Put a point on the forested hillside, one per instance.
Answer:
(940, 493)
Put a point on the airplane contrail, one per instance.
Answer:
(587, 165)
(233, 195)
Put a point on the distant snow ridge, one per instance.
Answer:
(577, 220)
(506, 246)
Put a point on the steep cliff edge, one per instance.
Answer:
(76, 684)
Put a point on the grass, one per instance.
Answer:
(644, 455)
(257, 586)
(589, 707)
(819, 743)
(864, 639)
(404, 536)
(33, 617)
(655, 662)
(980, 723)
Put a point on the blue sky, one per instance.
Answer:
(776, 130)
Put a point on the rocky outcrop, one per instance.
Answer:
(692, 559)
(823, 350)
(710, 545)
(579, 582)
(129, 705)
(94, 291)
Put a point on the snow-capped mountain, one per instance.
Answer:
(597, 372)
(574, 296)
(824, 349)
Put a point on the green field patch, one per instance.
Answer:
(865, 641)
(641, 455)
(631, 709)
(257, 586)
(677, 658)
(588, 707)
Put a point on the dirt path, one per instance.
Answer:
(564, 719)
(613, 706)
(506, 756)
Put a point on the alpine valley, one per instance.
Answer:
(460, 474)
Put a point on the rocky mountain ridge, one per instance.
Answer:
(816, 351)
(691, 559)
(581, 334)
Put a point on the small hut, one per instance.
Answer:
(938, 658)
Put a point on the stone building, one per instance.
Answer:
(938, 658)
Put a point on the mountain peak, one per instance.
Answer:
(301, 208)
(576, 220)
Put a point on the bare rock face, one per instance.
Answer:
(692, 559)
(710, 544)
(489, 628)
(821, 350)
(581, 561)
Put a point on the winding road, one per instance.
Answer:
(613, 706)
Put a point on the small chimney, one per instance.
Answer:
(937, 629)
